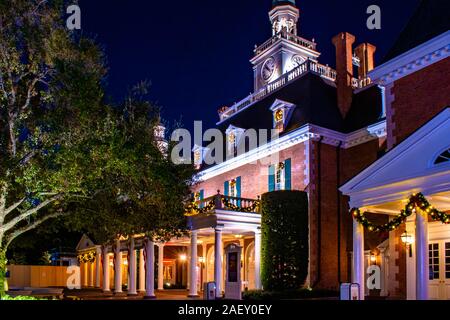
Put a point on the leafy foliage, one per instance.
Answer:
(285, 243)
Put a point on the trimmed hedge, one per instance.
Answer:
(285, 244)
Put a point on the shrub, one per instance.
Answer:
(285, 246)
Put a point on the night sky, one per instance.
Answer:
(196, 52)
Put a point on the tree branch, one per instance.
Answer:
(29, 227)
(11, 224)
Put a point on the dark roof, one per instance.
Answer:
(316, 103)
(431, 19)
(282, 2)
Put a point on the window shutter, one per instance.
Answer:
(271, 178)
(287, 175)
(202, 197)
(226, 188)
(238, 190)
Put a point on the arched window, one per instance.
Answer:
(443, 157)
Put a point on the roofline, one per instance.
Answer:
(413, 60)
(348, 188)
(305, 133)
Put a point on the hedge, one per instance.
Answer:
(285, 240)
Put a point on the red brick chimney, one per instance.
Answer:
(365, 52)
(344, 68)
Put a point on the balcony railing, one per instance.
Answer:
(287, 36)
(309, 65)
(222, 202)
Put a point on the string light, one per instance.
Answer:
(416, 201)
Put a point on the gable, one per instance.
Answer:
(85, 243)
(415, 157)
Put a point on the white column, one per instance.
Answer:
(98, 260)
(204, 265)
(106, 284)
(258, 284)
(218, 254)
(132, 269)
(422, 256)
(91, 274)
(188, 268)
(141, 271)
(118, 269)
(358, 257)
(150, 270)
(85, 274)
(161, 266)
(193, 288)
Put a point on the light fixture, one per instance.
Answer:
(373, 258)
(125, 262)
(408, 240)
(238, 236)
(201, 260)
(183, 257)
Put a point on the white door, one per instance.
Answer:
(439, 270)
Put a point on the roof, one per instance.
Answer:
(395, 176)
(431, 18)
(315, 100)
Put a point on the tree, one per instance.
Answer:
(50, 87)
(142, 191)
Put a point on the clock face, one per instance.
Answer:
(298, 61)
(268, 69)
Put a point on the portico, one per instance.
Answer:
(420, 164)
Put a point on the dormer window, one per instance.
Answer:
(282, 112)
(199, 155)
(233, 138)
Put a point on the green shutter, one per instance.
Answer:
(226, 188)
(271, 178)
(202, 197)
(287, 175)
(238, 190)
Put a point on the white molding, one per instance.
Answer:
(305, 133)
(412, 61)
(367, 189)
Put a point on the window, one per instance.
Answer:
(280, 176)
(232, 188)
(447, 260)
(434, 261)
(443, 157)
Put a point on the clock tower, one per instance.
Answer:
(285, 50)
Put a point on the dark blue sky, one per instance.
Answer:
(196, 52)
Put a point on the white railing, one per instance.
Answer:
(309, 65)
(287, 36)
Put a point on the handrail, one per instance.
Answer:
(222, 202)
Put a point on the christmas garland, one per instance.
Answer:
(193, 209)
(416, 201)
(87, 257)
(253, 208)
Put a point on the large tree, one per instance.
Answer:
(50, 88)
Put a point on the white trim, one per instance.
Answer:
(414, 60)
(305, 133)
(426, 180)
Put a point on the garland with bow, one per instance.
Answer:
(416, 201)
(87, 257)
(251, 209)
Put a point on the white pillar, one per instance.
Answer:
(188, 267)
(85, 274)
(422, 256)
(358, 257)
(132, 269)
(150, 269)
(161, 266)
(204, 265)
(98, 259)
(91, 274)
(141, 271)
(106, 284)
(193, 289)
(118, 269)
(218, 254)
(258, 284)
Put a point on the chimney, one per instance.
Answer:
(365, 52)
(344, 68)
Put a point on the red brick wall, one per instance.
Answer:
(418, 98)
(255, 180)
